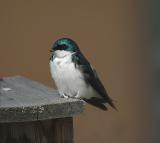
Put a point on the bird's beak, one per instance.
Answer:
(51, 51)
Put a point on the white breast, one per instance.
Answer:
(68, 79)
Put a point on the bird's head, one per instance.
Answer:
(63, 46)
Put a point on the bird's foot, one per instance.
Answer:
(65, 96)
(62, 95)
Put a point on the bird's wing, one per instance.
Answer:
(91, 77)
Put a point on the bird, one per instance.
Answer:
(75, 77)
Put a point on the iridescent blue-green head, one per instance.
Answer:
(65, 44)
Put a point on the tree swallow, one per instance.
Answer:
(74, 76)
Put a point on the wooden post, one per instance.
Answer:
(33, 113)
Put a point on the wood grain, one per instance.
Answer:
(48, 131)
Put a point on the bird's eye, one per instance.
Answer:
(61, 47)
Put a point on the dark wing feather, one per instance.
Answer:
(96, 102)
(91, 78)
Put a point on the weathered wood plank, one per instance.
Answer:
(63, 130)
(22, 99)
(49, 131)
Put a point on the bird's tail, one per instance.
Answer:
(110, 102)
(99, 103)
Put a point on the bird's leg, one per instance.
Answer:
(77, 95)
(62, 95)
(65, 96)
